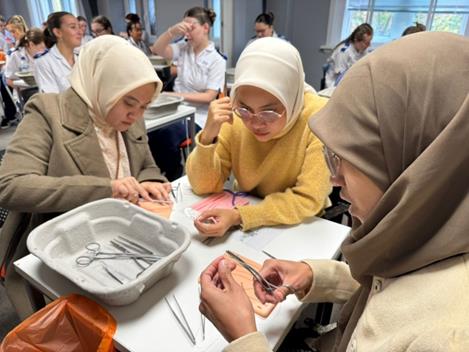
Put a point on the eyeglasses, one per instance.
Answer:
(333, 161)
(267, 116)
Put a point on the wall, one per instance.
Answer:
(115, 11)
(304, 23)
(9, 8)
(169, 12)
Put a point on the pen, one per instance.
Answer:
(220, 94)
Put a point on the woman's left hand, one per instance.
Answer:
(157, 190)
(216, 222)
(218, 288)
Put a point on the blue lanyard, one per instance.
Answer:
(235, 194)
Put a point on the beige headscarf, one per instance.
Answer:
(107, 68)
(275, 66)
(401, 116)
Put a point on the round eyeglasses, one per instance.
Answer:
(267, 116)
(333, 161)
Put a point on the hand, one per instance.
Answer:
(157, 190)
(128, 188)
(224, 302)
(180, 29)
(292, 277)
(216, 222)
(219, 112)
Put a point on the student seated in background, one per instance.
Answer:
(101, 25)
(84, 144)
(135, 35)
(200, 76)
(260, 134)
(395, 134)
(347, 52)
(17, 27)
(414, 29)
(30, 46)
(264, 27)
(62, 36)
(83, 26)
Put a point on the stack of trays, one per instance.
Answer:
(164, 105)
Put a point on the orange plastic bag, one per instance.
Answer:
(73, 323)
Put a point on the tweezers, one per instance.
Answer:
(269, 287)
(184, 325)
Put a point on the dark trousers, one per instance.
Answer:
(9, 105)
(165, 147)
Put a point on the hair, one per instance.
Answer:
(266, 18)
(130, 25)
(202, 14)
(54, 20)
(82, 19)
(414, 29)
(132, 17)
(103, 21)
(357, 35)
(18, 22)
(33, 35)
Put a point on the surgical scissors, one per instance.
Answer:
(268, 286)
(95, 253)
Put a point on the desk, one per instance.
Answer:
(147, 324)
(183, 112)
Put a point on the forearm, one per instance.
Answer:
(44, 194)
(207, 172)
(161, 45)
(199, 98)
(332, 282)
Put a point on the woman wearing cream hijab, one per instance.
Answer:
(395, 134)
(84, 144)
(260, 134)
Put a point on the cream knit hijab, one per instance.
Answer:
(109, 67)
(275, 66)
(401, 116)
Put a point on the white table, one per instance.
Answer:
(183, 112)
(147, 324)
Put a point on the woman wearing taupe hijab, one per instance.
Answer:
(395, 131)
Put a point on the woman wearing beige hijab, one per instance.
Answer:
(81, 145)
(260, 134)
(395, 133)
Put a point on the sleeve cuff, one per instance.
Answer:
(253, 342)
(205, 146)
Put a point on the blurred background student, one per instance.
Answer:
(84, 29)
(135, 37)
(62, 37)
(347, 52)
(200, 76)
(418, 27)
(101, 25)
(264, 27)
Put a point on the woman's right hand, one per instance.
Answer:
(219, 112)
(290, 276)
(180, 29)
(130, 189)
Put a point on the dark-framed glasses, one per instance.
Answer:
(333, 161)
(267, 116)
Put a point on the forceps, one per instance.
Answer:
(95, 253)
(181, 320)
(268, 286)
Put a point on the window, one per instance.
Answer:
(40, 9)
(389, 18)
(216, 29)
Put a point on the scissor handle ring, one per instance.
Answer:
(83, 260)
(93, 247)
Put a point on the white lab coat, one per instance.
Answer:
(52, 71)
(196, 74)
(341, 59)
(13, 63)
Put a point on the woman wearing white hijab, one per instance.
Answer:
(260, 134)
(395, 134)
(84, 144)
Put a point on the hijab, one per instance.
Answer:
(274, 65)
(108, 68)
(400, 115)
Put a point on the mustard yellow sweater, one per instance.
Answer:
(289, 173)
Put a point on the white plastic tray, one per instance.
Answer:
(61, 240)
(164, 105)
